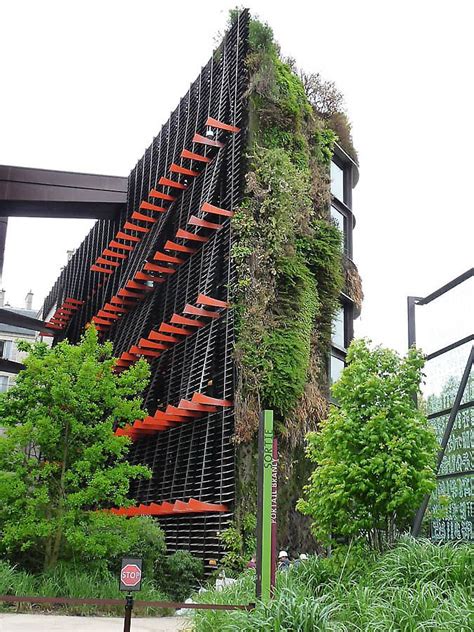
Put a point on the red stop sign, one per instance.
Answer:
(131, 575)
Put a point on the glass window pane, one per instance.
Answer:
(337, 181)
(338, 218)
(336, 368)
(3, 383)
(338, 323)
(7, 350)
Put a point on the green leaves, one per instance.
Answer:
(64, 407)
(375, 454)
(286, 252)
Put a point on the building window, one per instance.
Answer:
(337, 181)
(339, 329)
(6, 349)
(336, 366)
(3, 383)
(339, 220)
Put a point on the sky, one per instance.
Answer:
(85, 87)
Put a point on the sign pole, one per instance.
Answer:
(274, 514)
(127, 621)
(264, 506)
(130, 580)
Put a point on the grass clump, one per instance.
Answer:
(415, 586)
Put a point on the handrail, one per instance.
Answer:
(74, 601)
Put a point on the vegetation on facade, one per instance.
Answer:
(290, 269)
(375, 453)
(286, 250)
(240, 544)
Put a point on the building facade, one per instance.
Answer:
(344, 177)
(155, 279)
(9, 334)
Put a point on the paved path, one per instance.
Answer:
(53, 623)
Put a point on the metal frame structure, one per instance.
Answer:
(154, 279)
(458, 404)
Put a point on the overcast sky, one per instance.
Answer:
(86, 85)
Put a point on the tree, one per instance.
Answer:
(60, 460)
(323, 95)
(375, 454)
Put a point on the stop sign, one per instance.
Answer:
(130, 574)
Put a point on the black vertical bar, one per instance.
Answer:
(411, 304)
(127, 621)
(3, 237)
(444, 442)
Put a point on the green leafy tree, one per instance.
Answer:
(375, 454)
(59, 458)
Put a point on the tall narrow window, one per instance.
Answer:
(3, 383)
(338, 329)
(336, 367)
(340, 221)
(337, 181)
(7, 348)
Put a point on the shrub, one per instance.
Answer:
(178, 574)
(240, 543)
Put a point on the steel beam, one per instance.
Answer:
(26, 192)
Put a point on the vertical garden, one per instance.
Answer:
(289, 262)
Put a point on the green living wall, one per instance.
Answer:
(290, 268)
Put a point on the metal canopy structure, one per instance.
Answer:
(450, 408)
(26, 192)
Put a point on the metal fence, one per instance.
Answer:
(449, 402)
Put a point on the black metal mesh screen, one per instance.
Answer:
(195, 460)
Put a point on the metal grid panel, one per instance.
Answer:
(196, 459)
